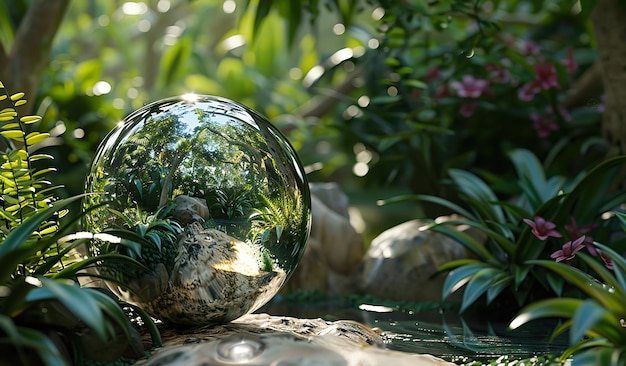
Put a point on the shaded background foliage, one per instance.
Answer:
(363, 89)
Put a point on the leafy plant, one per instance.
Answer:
(45, 317)
(24, 189)
(504, 264)
(230, 202)
(150, 239)
(597, 330)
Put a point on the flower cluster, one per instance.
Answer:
(535, 85)
(580, 239)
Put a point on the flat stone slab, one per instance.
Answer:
(261, 339)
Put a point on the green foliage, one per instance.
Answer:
(25, 191)
(505, 264)
(596, 324)
(40, 300)
(150, 239)
(22, 324)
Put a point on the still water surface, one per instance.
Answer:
(440, 333)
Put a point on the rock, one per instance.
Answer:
(331, 195)
(216, 278)
(401, 261)
(261, 339)
(188, 209)
(333, 247)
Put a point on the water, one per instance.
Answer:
(444, 334)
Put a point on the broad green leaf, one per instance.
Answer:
(155, 334)
(459, 277)
(457, 263)
(76, 299)
(585, 318)
(71, 270)
(555, 283)
(528, 166)
(478, 284)
(590, 194)
(550, 308)
(520, 272)
(13, 249)
(111, 308)
(507, 245)
(580, 349)
(596, 290)
(433, 199)
(467, 241)
(605, 356)
(603, 273)
(619, 265)
(477, 189)
(34, 340)
(500, 282)
(622, 218)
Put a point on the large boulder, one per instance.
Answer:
(401, 262)
(334, 248)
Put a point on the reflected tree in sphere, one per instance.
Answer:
(206, 194)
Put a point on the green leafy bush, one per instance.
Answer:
(45, 316)
(597, 331)
(503, 267)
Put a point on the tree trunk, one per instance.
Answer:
(21, 65)
(610, 32)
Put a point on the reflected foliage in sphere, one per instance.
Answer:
(209, 197)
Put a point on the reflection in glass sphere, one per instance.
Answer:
(209, 197)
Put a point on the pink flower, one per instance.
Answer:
(570, 63)
(543, 124)
(576, 232)
(470, 87)
(608, 263)
(468, 108)
(542, 228)
(546, 76)
(568, 250)
(528, 91)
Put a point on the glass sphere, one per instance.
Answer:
(209, 197)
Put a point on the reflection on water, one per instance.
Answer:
(440, 333)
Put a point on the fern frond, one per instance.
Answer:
(24, 191)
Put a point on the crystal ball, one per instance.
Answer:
(209, 198)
